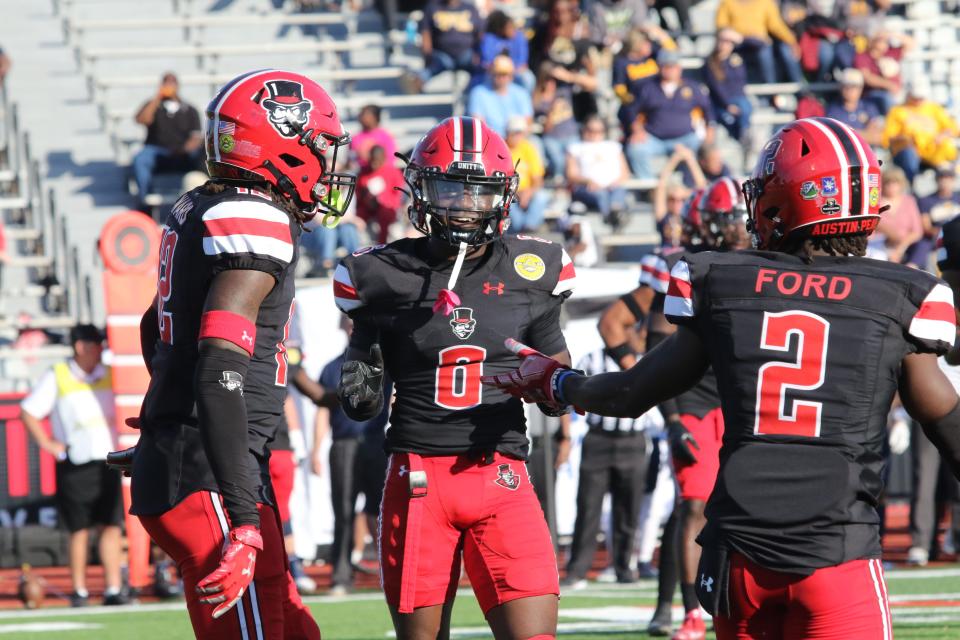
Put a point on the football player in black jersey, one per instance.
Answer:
(434, 312)
(213, 342)
(810, 342)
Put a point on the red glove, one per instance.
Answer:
(229, 581)
(534, 380)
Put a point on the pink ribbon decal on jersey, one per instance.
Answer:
(446, 302)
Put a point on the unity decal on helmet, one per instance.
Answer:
(507, 478)
(463, 323)
(286, 106)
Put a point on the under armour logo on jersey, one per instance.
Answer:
(706, 583)
(403, 470)
(489, 288)
(246, 337)
(507, 478)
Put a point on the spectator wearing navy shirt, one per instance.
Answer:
(941, 205)
(662, 116)
(450, 36)
(726, 77)
(637, 63)
(850, 108)
(504, 38)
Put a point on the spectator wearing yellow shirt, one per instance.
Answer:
(920, 132)
(766, 37)
(530, 204)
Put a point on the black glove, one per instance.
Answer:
(682, 442)
(122, 460)
(361, 386)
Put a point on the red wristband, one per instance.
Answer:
(229, 326)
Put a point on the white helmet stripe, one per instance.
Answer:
(457, 135)
(844, 176)
(864, 168)
(478, 140)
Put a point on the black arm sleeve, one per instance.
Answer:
(667, 407)
(544, 332)
(945, 435)
(149, 333)
(222, 413)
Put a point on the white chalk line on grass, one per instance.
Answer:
(47, 627)
(917, 574)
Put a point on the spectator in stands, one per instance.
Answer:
(379, 193)
(553, 109)
(681, 8)
(504, 38)
(174, 137)
(321, 245)
(669, 196)
(726, 78)
(450, 37)
(371, 135)
(900, 226)
(564, 41)
(77, 396)
(611, 21)
(637, 62)
(579, 241)
(530, 204)
(852, 109)
(498, 99)
(5, 65)
(766, 37)
(357, 462)
(859, 17)
(941, 205)
(880, 65)
(662, 116)
(597, 171)
(920, 132)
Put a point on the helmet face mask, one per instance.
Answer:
(462, 183)
(723, 216)
(280, 128)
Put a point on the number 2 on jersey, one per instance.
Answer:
(168, 244)
(458, 377)
(775, 379)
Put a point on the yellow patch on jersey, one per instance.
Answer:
(529, 266)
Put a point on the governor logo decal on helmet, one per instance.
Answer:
(286, 106)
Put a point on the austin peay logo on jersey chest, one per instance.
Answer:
(463, 323)
(507, 478)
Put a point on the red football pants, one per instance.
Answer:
(696, 479)
(489, 513)
(282, 467)
(842, 602)
(192, 533)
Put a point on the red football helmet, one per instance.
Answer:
(462, 181)
(692, 221)
(724, 215)
(815, 174)
(281, 128)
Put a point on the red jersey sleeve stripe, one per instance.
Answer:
(679, 288)
(942, 311)
(344, 292)
(568, 272)
(247, 226)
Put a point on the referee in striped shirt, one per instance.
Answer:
(613, 459)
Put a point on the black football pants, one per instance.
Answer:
(614, 462)
(344, 489)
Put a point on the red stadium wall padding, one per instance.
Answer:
(28, 478)
(129, 243)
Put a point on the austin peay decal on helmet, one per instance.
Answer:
(286, 104)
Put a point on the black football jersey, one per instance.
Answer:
(204, 235)
(435, 361)
(948, 245)
(808, 359)
(701, 398)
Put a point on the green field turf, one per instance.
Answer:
(608, 612)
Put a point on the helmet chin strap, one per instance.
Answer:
(447, 300)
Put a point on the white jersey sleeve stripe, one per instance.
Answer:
(243, 243)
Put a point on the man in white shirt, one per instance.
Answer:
(77, 396)
(597, 170)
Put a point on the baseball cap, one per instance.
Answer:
(667, 56)
(918, 89)
(517, 124)
(501, 64)
(851, 78)
(86, 333)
